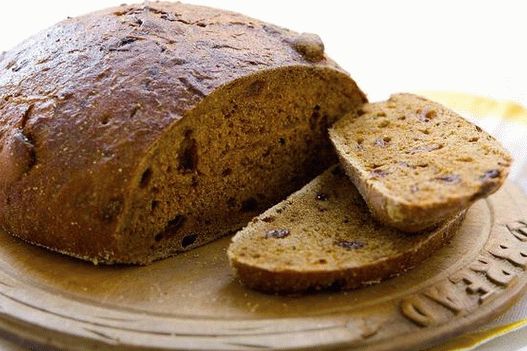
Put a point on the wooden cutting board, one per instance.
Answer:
(194, 302)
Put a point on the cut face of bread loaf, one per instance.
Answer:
(137, 132)
(417, 163)
(323, 236)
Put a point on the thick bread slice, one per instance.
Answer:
(417, 163)
(137, 132)
(323, 236)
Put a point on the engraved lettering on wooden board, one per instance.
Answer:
(368, 326)
(419, 310)
(446, 294)
(512, 251)
(488, 275)
(475, 284)
(497, 271)
(519, 230)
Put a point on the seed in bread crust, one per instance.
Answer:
(426, 148)
(350, 244)
(379, 173)
(322, 197)
(380, 142)
(449, 178)
(490, 174)
(277, 233)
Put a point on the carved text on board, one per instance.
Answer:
(519, 230)
(493, 270)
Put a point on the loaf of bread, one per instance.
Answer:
(133, 133)
(323, 236)
(415, 162)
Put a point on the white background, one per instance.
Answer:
(388, 46)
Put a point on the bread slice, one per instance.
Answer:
(323, 236)
(417, 163)
(140, 131)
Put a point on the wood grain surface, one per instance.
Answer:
(194, 302)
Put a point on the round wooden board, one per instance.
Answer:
(194, 302)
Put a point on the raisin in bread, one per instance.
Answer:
(323, 236)
(417, 163)
(136, 132)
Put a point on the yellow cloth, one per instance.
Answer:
(470, 341)
(479, 105)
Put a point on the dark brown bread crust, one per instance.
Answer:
(82, 102)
